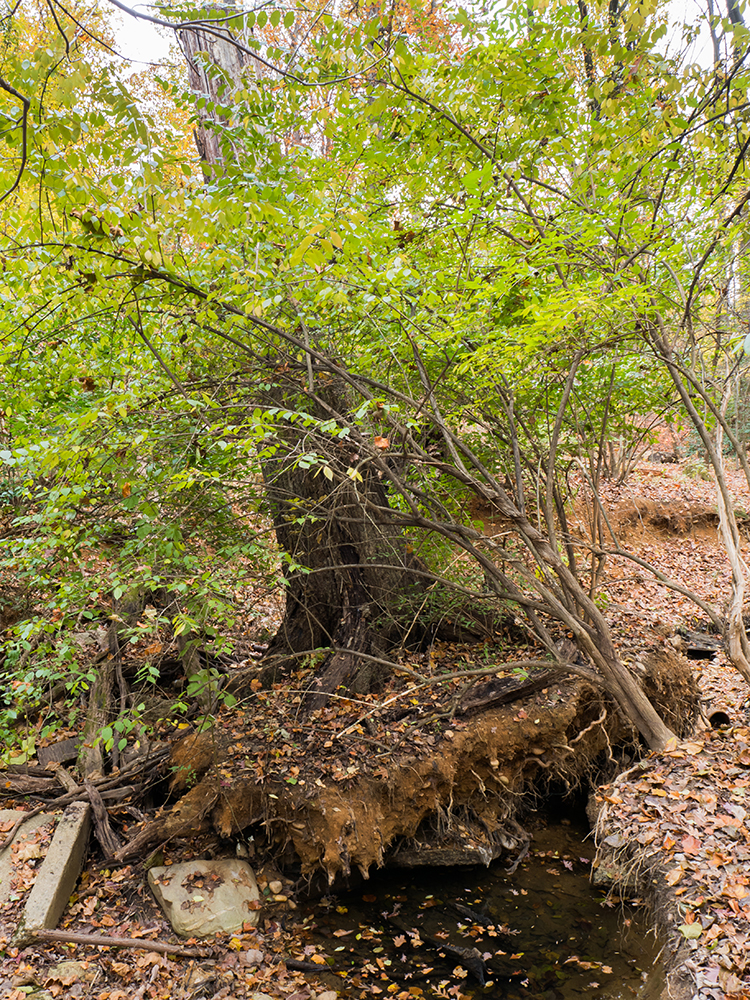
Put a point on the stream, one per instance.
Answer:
(542, 932)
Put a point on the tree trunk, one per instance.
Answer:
(349, 573)
(346, 567)
(203, 49)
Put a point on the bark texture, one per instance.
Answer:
(350, 580)
(215, 71)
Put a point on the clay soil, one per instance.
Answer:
(436, 771)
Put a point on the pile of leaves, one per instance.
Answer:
(675, 828)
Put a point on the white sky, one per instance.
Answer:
(143, 43)
(140, 42)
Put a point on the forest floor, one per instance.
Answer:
(332, 792)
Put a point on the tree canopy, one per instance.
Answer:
(435, 256)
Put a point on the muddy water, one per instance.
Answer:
(542, 932)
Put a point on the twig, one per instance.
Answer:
(101, 940)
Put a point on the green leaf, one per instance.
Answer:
(691, 931)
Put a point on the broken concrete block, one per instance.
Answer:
(8, 816)
(58, 875)
(201, 898)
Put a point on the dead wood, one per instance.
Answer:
(108, 839)
(117, 786)
(102, 940)
(503, 691)
(26, 784)
(66, 779)
(62, 752)
(90, 757)
(187, 817)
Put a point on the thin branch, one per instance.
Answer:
(103, 941)
(226, 36)
(26, 103)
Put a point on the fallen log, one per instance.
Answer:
(504, 690)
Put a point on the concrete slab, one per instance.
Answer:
(6, 858)
(58, 875)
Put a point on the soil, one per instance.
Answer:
(413, 770)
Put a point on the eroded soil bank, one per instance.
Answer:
(446, 792)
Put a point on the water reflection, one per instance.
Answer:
(542, 932)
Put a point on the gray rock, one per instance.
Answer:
(70, 972)
(201, 898)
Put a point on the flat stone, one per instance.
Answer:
(58, 875)
(70, 972)
(201, 898)
(6, 858)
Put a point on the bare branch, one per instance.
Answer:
(26, 103)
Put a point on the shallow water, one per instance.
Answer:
(543, 931)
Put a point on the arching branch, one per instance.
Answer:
(26, 104)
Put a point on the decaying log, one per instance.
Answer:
(108, 839)
(26, 784)
(504, 690)
(187, 817)
(66, 779)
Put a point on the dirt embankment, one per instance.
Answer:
(455, 797)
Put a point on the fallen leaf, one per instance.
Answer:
(690, 844)
(673, 877)
(691, 931)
